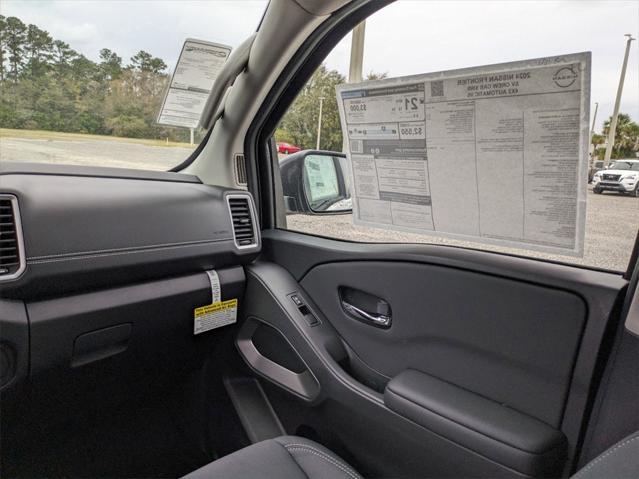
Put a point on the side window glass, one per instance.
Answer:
(472, 135)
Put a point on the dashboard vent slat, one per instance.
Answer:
(240, 169)
(11, 254)
(243, 218)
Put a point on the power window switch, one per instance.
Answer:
(296, 299)
(304, 310)
(311, 319)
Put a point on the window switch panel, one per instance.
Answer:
(305, 311)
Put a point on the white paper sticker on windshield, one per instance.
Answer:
(494, 154)
(197, 68)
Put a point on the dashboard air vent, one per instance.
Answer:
(11, 254)
(240, 169)
(243, 220)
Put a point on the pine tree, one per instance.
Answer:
(15, 32)
(3, 46)
(38, 49)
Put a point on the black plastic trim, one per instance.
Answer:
(42, 169)
(191, 158)
(86, 232)
(496, 431)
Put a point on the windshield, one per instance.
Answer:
(87, 83)
(625, 165)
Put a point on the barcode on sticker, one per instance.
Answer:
(437, 88)
(214, 316)
(357, 146)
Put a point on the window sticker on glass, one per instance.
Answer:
(496, 154)
(197, 68)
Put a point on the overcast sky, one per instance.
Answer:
(408, 37)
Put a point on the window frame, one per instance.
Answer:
(260, 152)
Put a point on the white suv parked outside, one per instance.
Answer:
(622, 176)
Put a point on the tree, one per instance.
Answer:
(83, 70)
(62, 56)
(598, 139)
(299, 124)
(38, 49)
(128, 126)
(376, 76)
(145, 62)
(46, 84)
(15, 32)
(149, 76)
(110, 65)
(3, 46)
(626, 136)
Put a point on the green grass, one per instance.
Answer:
(56, 135)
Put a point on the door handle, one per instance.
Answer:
(380, 320)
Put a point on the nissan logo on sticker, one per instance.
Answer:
(564, 77)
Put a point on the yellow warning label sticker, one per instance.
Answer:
(214, 315)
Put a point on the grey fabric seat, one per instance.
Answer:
(290, 457)
(286, 457)
(621, 461)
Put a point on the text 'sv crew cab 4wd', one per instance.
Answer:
(622, 176)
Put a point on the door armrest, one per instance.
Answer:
(487, 427)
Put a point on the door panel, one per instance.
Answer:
(506, 340)
(364, 420)
(489, 359)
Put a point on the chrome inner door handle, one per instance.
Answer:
(376, 319)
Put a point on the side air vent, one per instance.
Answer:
(240, 169)
(244, 228)
(11, 250)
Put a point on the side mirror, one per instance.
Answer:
(316, 182)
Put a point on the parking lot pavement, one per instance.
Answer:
(611, 224)
(92, 152)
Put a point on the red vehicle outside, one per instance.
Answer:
(287, 148)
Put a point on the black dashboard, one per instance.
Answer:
(104, 270)
(86, 228)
